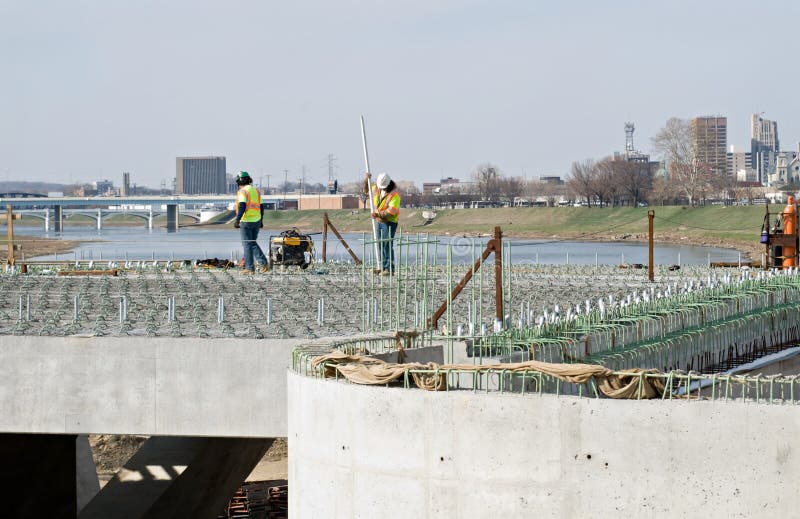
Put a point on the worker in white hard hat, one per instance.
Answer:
(386, 206)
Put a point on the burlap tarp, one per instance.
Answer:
(629, 383)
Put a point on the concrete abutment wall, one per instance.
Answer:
(361, 451)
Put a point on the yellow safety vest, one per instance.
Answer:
(389, 205)
(252, 199)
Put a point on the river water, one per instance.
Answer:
(136, 243)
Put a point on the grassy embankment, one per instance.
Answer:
(736, 227)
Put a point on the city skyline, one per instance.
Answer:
(102, 89)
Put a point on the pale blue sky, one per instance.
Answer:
(89, 89)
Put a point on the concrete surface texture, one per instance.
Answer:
(391, 452)
(144, 385)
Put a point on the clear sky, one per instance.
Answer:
(89, 89)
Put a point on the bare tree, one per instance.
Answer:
(487, 177)
(674, 143)
(724, 187)
(605, 183)
(662, 191)
(511, 188)
(634, 179)
(580, 180)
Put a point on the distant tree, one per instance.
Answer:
(410, 194)
(724, 187)
(634, 180)
(581, 179)
(605, 183)
(510, 188)
(350, 188)
(487, 177)
(662, 191)
(551, 192)
(674, 144)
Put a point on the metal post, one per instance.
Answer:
(369, 197)
(325, 238)
(498, 272)
(10, 226)
(650, 215)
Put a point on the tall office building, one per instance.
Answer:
(200, 176)
(125, 189)
(764, 146)
(104, 187)
(710, 142)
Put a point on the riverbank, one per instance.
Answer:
(31, 246)
(733, 227)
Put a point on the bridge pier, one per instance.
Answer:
(150, 219)
(172, 217)
(58, 217)
(47, 220)
(99, 219)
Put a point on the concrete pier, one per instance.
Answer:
(361, 451)
(58, 218)
(172, 217)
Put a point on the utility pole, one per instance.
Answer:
(285, 182)
(267, 191)
(331, 175)
(302, 179)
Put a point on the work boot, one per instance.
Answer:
(263, 269)
(377, 271)
(386, 273)
(246, 272)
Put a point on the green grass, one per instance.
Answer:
(733, 226)
(737, 224)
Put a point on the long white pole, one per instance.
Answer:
(369, 195)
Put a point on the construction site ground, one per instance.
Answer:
(111, 451)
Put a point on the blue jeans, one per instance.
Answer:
(386, 232)
(249, 232)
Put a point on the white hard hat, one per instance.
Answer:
(383, 181)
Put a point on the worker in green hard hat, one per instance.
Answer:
(249, 219)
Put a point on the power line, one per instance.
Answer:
(578, 237)
(704, 228)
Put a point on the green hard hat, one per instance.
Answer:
(243, 177)
(243, 174)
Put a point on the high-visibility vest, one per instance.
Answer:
(252, 200)
(388, 205)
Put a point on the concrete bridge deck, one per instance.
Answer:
(211, 407)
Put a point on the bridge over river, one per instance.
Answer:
(52, 209)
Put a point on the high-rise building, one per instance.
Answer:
(764, 146)
(200, 176)
(104, 187)
(710, 142)
(740, 166)
(125, 189)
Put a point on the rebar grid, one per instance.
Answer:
(679, 385)
(334, 300)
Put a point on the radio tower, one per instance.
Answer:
(333, 185)
(629, 149)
